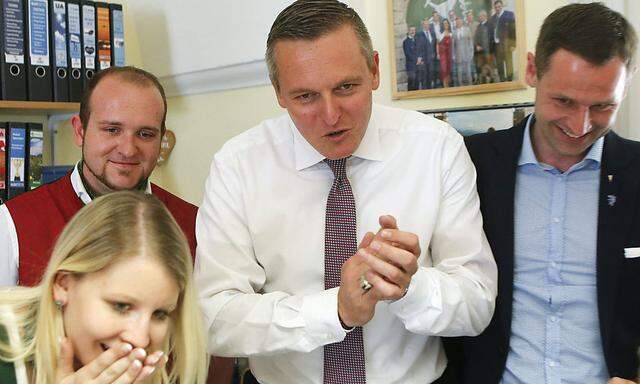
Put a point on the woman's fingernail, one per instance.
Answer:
(147, 371)
(156, 357)
(140, 353)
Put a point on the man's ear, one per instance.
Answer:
(78, 130)
(375, 70)
(630, 75)
(62, 284)
(281, 100)
(531, 72)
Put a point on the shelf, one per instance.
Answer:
(38, 107)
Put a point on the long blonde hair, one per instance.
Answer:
(113, 227)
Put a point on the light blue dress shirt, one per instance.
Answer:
(555, 334)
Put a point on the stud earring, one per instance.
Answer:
(59, 304)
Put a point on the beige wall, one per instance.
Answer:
(202, 123)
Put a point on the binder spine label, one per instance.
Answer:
(118, 38)
(13, 31)
(104, 38)
(17, 157)
(36, 139)
(75, 47)
(38, 32)
(60, 30)
(89, 35)
(3, 162)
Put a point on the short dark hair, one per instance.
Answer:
(312, 19)
(130, 75)
(592, 31)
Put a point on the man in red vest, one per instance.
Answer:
(119, 128)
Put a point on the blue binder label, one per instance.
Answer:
(118, 38)
(89, 35)
(60, 32)
(13, 31)
(38, 32)
(16, 156)
(75, 47)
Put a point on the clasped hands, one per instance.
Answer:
(120, 364)
(388, 260)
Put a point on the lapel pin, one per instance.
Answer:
(611, 200)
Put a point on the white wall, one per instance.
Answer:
(178, 38)
(203, 122)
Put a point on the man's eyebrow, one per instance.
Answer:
(350, 79)
(346, 80)
(109, 122)
(609, 101)
(119, 124)
(300, 91)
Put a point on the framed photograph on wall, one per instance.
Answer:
(452, 47)
(469, 121)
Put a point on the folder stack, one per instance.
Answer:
(50, 49)
(21, 158)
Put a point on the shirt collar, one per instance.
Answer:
(527, 156)
(81, 191)
(307, 156)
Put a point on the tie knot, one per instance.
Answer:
(338, 167)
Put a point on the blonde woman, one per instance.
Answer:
(116, 300)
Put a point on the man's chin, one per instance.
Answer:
(124, 184)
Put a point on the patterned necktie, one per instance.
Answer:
(343, 361)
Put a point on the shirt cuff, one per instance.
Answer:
(320, 313)
(422, 295)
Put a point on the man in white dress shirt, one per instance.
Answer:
(264, 222)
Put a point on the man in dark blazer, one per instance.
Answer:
(560, 198)
(502, 28)
(410, 58)
(426, 43)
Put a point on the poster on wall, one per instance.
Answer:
(450, 47)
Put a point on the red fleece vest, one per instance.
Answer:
(41, 214)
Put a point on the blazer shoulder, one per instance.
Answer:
(480, 141)
(632, 145)
(619, 152)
